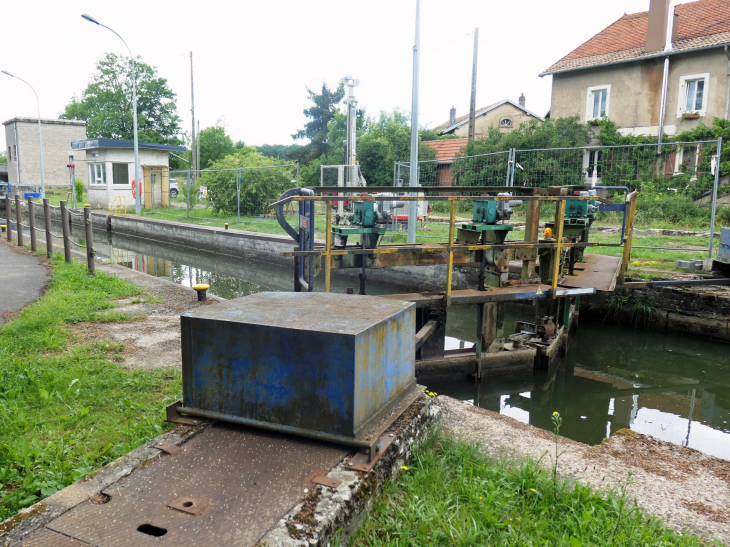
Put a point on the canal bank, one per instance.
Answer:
(689, 490)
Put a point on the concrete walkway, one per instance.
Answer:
(22, 278)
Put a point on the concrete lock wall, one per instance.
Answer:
(24, 156)
(636, 87)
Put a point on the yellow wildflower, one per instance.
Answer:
(404, 467)
(556, 413)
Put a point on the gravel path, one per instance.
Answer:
(686, 488)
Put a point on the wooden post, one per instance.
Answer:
(8, 216)
(31, 222)
(65, 231)
(18, 217)
(89, 239)
(47, 221)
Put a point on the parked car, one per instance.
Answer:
(174, 188)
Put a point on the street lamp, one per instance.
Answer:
(40, 134)
(137, 176)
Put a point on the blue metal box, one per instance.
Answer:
(317, 364)
(723, 253)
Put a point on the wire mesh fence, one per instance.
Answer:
(236, 196)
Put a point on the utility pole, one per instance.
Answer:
(192, 111)
(413, 178)
(473, 101)
(197, 155)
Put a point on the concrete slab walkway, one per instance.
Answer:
(22, 279)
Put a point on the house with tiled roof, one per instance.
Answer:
(663, 70)
(447, 151)
(506, 115)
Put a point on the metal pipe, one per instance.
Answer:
(727, 99)
(663, 104)
(413, 178)
(31, 221)
(714, 195)
(65, 231)
(89, 239)
(18, 216)
(47, 222)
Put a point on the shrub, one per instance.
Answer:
(258, 186)
(79, 190)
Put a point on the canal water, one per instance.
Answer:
(671, 387)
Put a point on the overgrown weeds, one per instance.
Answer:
(68, 409)
(452, 494)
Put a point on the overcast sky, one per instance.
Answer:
(253, 59)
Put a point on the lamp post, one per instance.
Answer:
(40, 134)
(137, 175)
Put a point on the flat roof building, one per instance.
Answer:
(109, 171)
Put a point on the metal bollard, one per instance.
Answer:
(89, 239)
(202, 290)
(47, 220)
(18, 217)
(226, 225)
(66, 236)
(31, 221)
(8, 208)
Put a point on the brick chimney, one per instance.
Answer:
(521, 100)
(656, 30)
(452, 116)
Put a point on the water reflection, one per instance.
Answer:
(671, 387)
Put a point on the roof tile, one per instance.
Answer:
(447, 148)
(704, 23)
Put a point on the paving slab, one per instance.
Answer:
(23, 279)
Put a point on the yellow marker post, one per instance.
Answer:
(328, 249)
(629, 235)
(450, 265)
(559, 217)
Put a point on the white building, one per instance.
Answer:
(110, 171)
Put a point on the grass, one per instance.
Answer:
(452, 494)
(55, 195)
(67, 409)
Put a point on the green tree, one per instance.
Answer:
(214, 145)
(320, 113)
(380, 142)
(106, 103)
(258, 186)
(280, 151)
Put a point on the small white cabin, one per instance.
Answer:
(110, 172)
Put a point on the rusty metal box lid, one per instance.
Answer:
(323, 312)
(308, 363)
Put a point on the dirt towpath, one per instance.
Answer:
(686, 488)
(152, 338)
